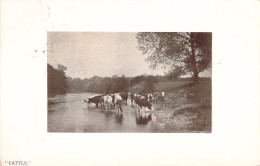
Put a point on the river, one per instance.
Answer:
(68, 113)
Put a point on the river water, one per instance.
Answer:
(68, 113)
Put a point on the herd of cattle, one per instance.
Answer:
(118, 99)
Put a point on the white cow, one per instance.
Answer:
(118, 102)
(108, 101)
(159, 96)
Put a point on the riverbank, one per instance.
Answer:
(186, 109)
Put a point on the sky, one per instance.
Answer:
(104, 54)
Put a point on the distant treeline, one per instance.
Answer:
(58, 83)
(116, 84)
(109, 84)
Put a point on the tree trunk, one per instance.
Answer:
(194, 64)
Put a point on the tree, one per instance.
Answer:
(189, 50)
(61, 67)
(120, 84)
(57, 81)
(175, 73)
(149, 84)
(137, 79)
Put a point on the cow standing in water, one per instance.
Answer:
(124, 97)
(113, 99)
(135, 97)
(108, 101)
(142, 102)
(132, 97)
(95, 99)
(118, 103)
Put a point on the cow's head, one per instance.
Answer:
(86, 100)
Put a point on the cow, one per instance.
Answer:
(141, 116)
(113, 98)
(145, 95)
(159, 96)
(118, 102)
(124, 97)
(132, 97)
(108, 101)
(140, 119)
(101, 100)
(142, 102)
(162, 96)
(94, 99)
(135, 97)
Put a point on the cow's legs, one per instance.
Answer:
(116, 108)
(105, 106)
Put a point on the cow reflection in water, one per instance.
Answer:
(119, 118)
(108, 115)
(142, 117)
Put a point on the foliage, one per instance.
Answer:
(120, 85)
(175, 73)
(188, 50)
(99, 84)
(137, 79)
(149, 84)
(61, 67)
(112, 84)
(57, 83)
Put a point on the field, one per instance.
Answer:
(166, 86)
(169, 86)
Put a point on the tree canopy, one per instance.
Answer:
(188, 51)
(57, 83)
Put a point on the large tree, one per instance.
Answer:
(189, 51)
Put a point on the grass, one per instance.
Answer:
(171, 85)
(187, 107)
(162, 86)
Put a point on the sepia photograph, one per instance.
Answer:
(143, 83)
(129, 82)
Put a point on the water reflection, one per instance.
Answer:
(68, 113)
(142, 117)
(108, 115)
(119, 118)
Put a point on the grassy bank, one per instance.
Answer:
(187, 107)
